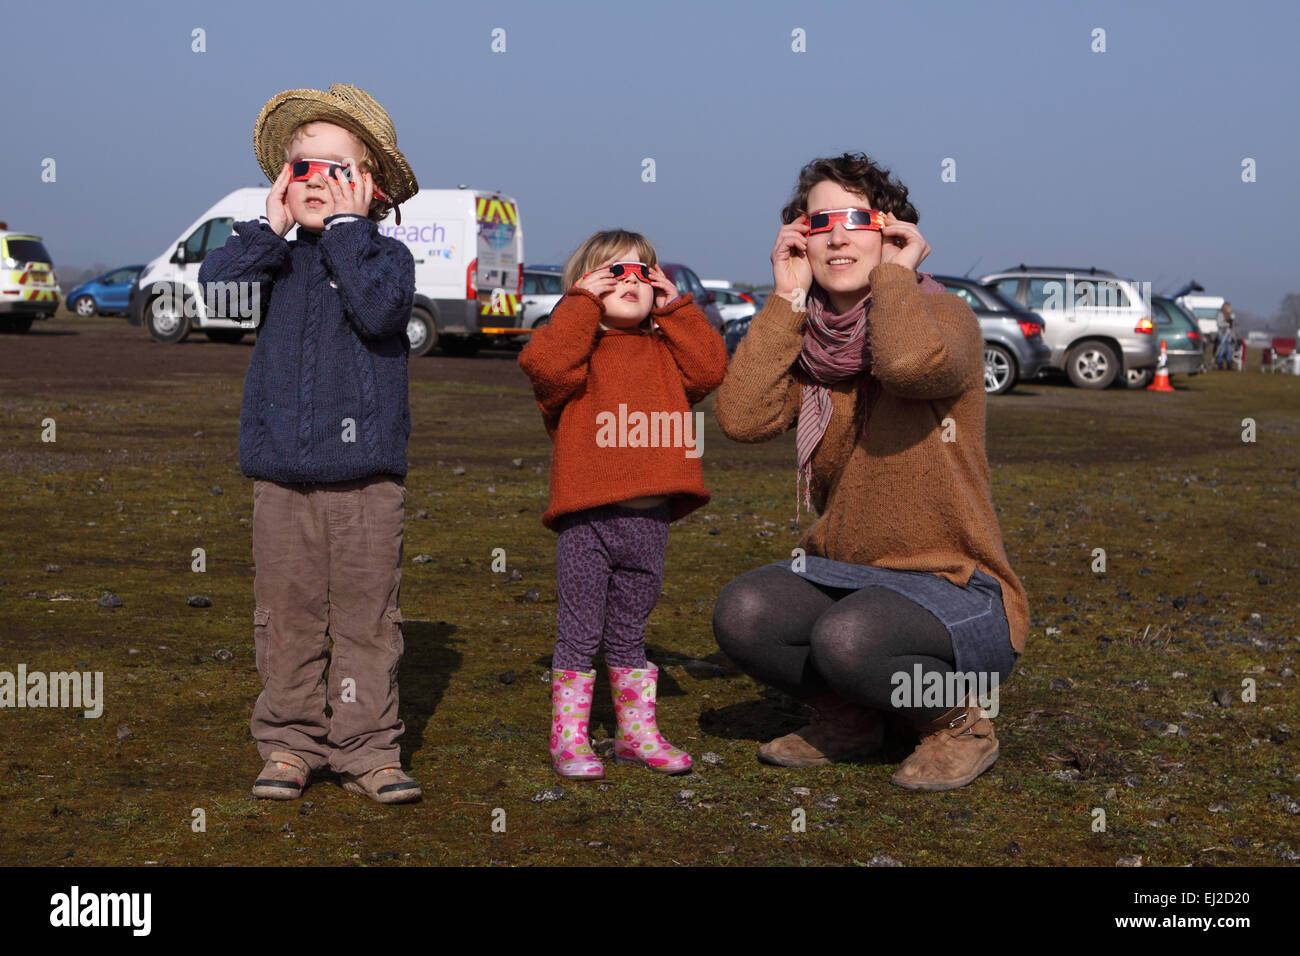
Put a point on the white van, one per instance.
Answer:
(469, 251)
(1206, 309)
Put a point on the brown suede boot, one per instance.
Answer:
(954, 750)
(840, 730)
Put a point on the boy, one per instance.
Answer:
(323, 433)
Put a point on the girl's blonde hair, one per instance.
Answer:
(604, 245)
(365, 160)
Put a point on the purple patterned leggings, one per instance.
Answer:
(609, 564)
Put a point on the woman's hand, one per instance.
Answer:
(913, 249)
(791, 270)
(353, 202)
(664, 287)
(277, 204)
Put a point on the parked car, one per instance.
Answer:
(1097, 324)
(1184, 344)
(1014, 349)
(543, 289)
(733, 305)
(29, 289)
(109, 294)
(688, 282)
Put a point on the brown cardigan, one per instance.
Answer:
(899, 497)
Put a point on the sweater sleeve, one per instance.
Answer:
(759, 398)
(375, 276)
(922, 346)
(253, 253)
(557, 356)
(697, 350)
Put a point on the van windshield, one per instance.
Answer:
(27, 250)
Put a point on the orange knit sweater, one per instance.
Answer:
(914, 493)
(617, 404)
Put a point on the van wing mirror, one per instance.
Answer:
(179, 256)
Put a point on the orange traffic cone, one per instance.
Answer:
(1161, 383)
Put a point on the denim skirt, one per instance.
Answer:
(974, 615)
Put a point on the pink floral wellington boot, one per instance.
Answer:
(639, 739)
(571, 753)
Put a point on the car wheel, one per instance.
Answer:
(224, 336)
(1138, 377)
(1092, 365)
(421, 332)
(165, 319)
(459, 346)
(999, 370)
(84, 306)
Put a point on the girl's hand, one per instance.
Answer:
(277, 204)
(599, 283)
(913, 249)
(665, 288)
(355, 202)
(791, 270)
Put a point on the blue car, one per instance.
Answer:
(106, 295)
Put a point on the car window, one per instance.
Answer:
(530, 284)
(693, 284)
(551, 283)
(1046, 292)
(965, 295)
(1008, 288)
(27, 250)
(219, 231)
(119, 276)
(1162, 314)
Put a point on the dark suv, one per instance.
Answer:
(688, 282)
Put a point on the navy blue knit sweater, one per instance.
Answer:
(325, 396)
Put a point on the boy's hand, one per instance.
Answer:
(355, 202)
(665, 289)
(277, 204)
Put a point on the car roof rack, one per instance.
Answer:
(1076, 270)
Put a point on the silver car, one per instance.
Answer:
(543, 289)
(1097, 324)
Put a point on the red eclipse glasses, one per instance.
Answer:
(304, 169)
(850, 218)
(619, 269)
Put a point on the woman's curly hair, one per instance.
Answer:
(858, 174)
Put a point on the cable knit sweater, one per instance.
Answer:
(331, 348)
(900, 496)
(582, 374)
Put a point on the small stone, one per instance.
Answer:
(1060, 683)
(1130, 860)
(422, 513)
(1220, 807)
(1053, 631)
(422, 559)
(1285, 853)
(198, 600)
(1133, 780)
(714, 531)
(883, 859)
(458, 470)
(1286, 672)
(532, 595)
(959, 816)
(1179, 603)
(223, 655)
(1110, 794)
(124, 732)
(507, 678)
(198, 434)
(515, 575)
(685, 794)
(1012, 848)
(133, 650)
(1223, 696)
(546, 796)
(53, 568)
(1156, 725)
(801, 791)
(759, 826)
(712, 759)
(1067, 776)
(1143, 572)
(1178, 675)
(516, 463)
(216, 490)
(109, 599)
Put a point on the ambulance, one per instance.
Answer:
(29, 289)
(468, 246)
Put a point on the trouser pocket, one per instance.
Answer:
(262, 634)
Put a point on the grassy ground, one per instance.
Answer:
(1199, 529)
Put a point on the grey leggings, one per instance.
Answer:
(806, 638)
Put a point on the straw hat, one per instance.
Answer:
(344, 105)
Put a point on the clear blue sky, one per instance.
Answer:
(1128, 159)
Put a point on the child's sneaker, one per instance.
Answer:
(383, 785)
(283, 778)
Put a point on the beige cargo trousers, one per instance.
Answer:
(328, 569)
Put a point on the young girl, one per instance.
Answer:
(615, 373)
